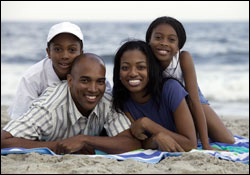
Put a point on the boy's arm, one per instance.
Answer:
(26, 92)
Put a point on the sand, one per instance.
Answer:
(187, 163)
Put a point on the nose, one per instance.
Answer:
(133, 72)
(65, 55)
(164, 42)
(92, 87)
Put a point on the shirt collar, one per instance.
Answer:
(75, 115)
(174, 62)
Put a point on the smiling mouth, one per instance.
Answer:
(64, 65)
(91, 98)
(162, 52)
(134, 82)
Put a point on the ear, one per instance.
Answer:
(69, 80)
(48, 52)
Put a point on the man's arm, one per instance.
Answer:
(120, 143)
(7, 141)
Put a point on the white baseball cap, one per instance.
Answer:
(65, 27)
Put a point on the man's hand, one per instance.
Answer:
(137, 129)
(73, 144)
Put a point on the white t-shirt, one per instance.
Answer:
(32, 84)
(174, 70)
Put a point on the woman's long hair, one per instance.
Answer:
(154, 86)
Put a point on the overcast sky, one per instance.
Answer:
(125, 10)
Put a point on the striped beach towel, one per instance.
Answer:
(237, 152)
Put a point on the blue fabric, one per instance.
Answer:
(17, 150)
(172, 95)
(237, 152)
(203, 100)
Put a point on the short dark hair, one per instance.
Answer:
(178, 27)
(83, 56)
(154, 86)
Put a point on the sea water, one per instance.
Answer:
(220, 51)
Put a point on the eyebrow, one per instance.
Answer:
(86, 77)
(168, 35)
(136, 62)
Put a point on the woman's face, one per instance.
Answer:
(164, 43)
(134, 71)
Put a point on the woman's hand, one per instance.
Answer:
(167, 143)
(137, 129)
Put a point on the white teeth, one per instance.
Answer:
(134, 82)
(91, 97)
(163, 52)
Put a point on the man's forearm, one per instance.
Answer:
(114, 145)
(25, 143)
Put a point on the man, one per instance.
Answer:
(69, 118)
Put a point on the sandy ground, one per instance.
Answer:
(188, 163)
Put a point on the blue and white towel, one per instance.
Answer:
(237, 152)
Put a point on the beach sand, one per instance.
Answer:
(187, 163)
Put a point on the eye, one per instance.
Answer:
(157, 37)
(71, 50)
(141, 67)
(57, 49)
(101, 82)
(124, 68)
(172, 39)
(84, 80)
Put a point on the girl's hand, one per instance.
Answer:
(208, 147)
(138, 130)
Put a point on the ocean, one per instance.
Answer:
(220, 51)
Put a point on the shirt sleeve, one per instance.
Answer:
(35, 124)
(173, 94)
(26, 92)
(116, 123)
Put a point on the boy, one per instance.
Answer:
(64, 43)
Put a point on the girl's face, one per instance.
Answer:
(134, 71)
(62, 51)
(164, 43)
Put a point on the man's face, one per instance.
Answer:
(87, 84)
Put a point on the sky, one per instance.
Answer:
(124, 10)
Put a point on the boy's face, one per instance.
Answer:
(62, 51)
(87, 84)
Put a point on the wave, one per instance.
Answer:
(33, 59)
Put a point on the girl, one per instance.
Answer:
(157, 109)
(166, 36)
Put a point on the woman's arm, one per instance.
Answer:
(188, 70)
(185, 136)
